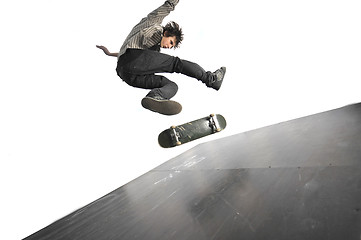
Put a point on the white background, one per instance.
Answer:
(71, 131)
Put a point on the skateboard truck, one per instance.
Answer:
(176, 135)
(213, 122)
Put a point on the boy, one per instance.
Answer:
(139, 59)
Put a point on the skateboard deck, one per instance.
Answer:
(177, 135)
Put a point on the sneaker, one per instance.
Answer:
(161, 105)
(218, 78)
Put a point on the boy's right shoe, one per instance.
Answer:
(161, 105)
(217, 80)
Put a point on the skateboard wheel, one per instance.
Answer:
(177, 142)
(214, 123)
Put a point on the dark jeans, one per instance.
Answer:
(138, 68)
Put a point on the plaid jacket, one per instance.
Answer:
(148, 32)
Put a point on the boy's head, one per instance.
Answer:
(172, 35)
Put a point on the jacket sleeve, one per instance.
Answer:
(161, 12)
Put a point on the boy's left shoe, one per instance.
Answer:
(161, 105)
(217, 80)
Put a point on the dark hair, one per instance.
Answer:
(173, 29)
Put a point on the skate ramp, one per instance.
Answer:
(299, 179)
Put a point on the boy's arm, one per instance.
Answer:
(106, 51)
(160, 13)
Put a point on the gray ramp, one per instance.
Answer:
(299, 179)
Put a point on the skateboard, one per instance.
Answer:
(177, 135)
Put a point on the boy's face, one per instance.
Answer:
(168, 42)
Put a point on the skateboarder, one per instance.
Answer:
(139, 59)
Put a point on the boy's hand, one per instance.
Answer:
(106, 51)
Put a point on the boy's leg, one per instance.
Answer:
(157, 100)
(138, 68)
(211, 79)
(163, 89)
(160, 86)
(149, 62)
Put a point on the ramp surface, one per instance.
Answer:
(299, 179)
